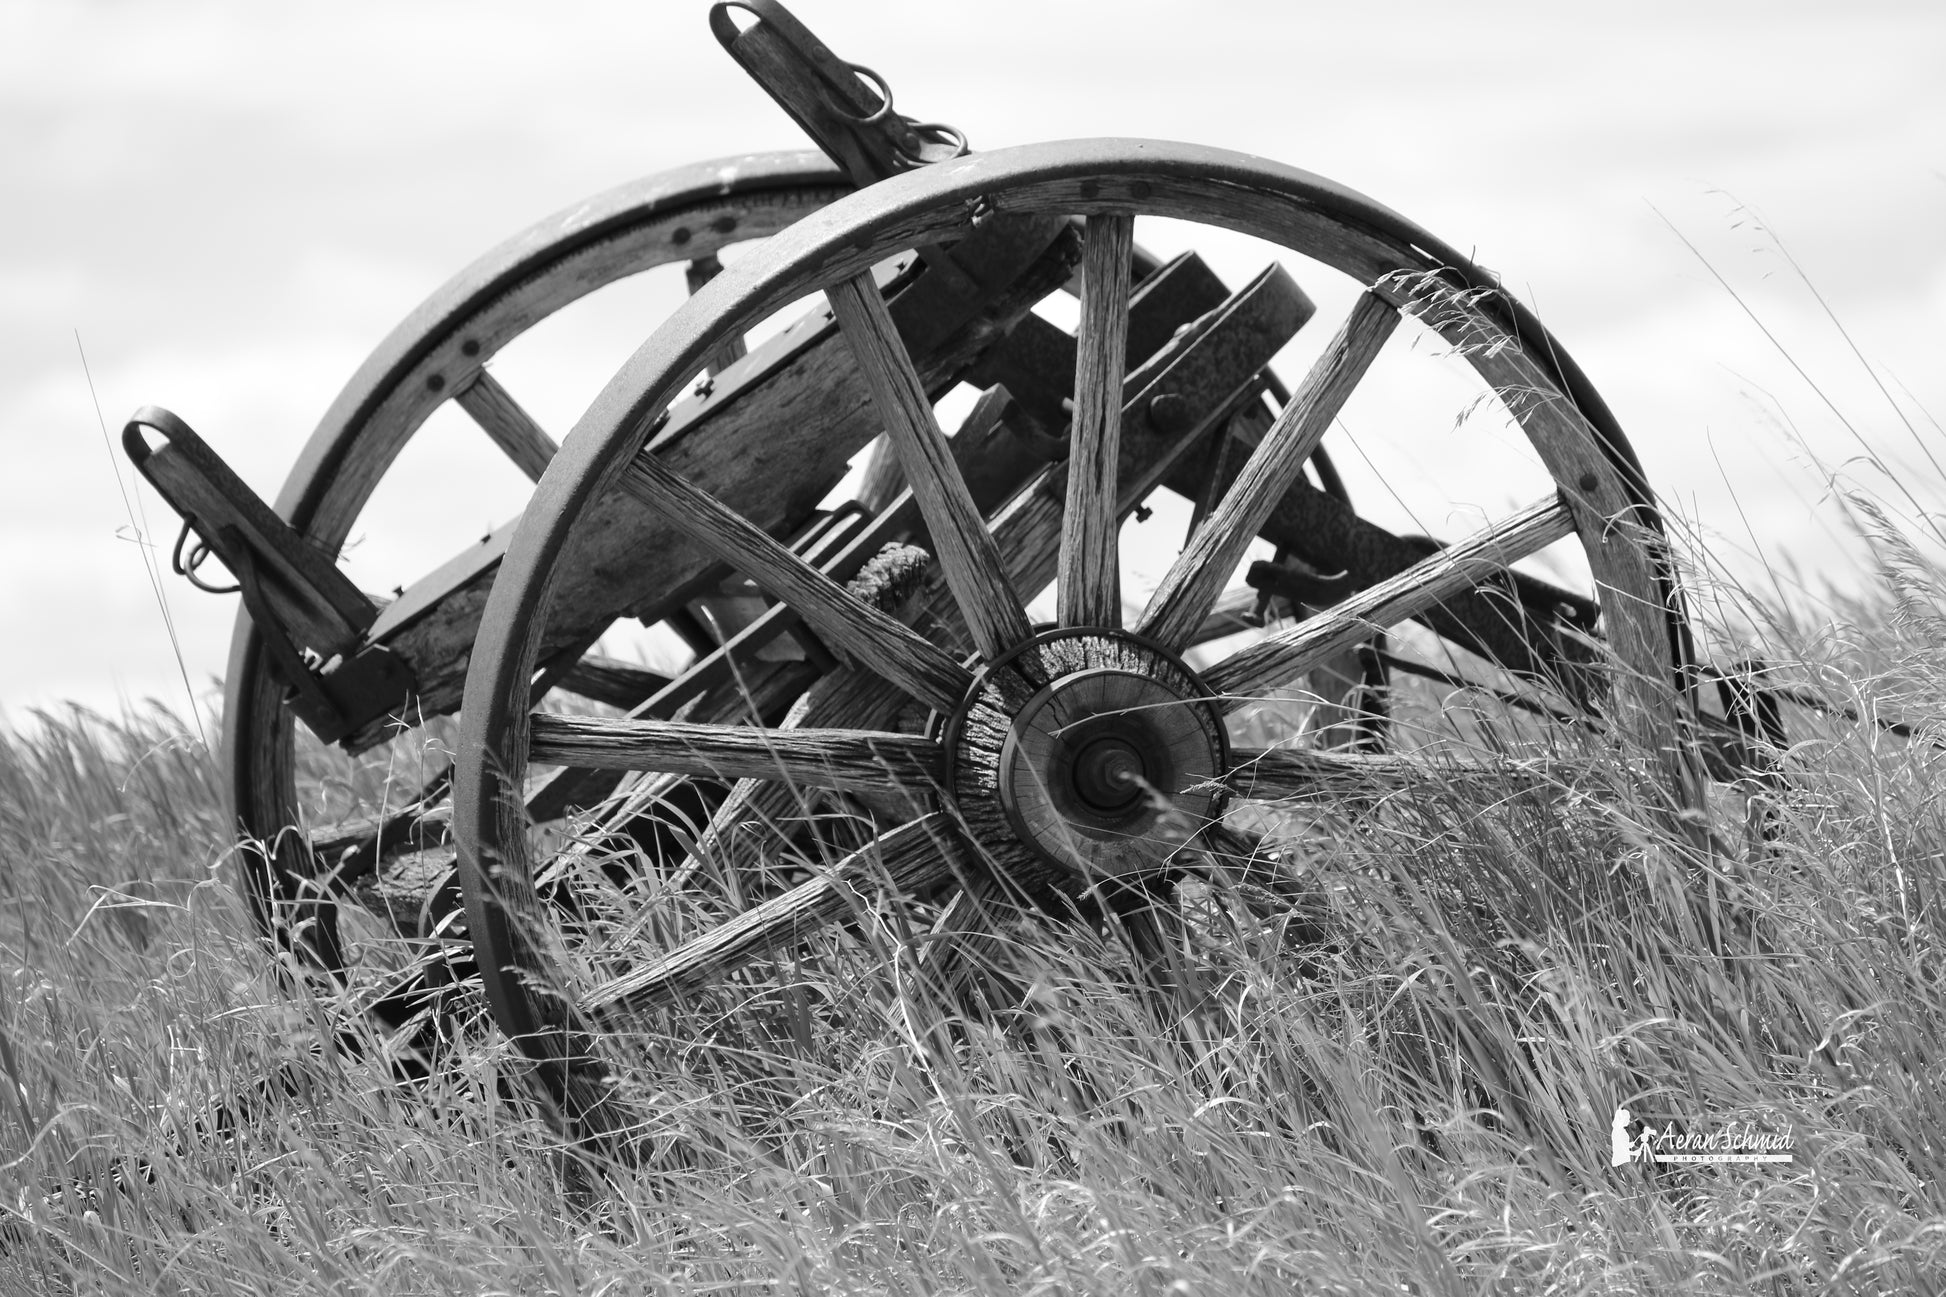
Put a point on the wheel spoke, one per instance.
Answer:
(1253, 672)
(1198, 575)
(961, 542)
(756, 812)
(819, 758)
(1089, 589)
(846, 623)
(511, 427)
(1195, 378)
(1271, 774)
(911, 858)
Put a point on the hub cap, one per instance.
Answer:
(1094, 753)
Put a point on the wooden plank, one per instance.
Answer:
(1183, 599)
(512, 429)
(872, 761)
(1089, 590)
(960, 540)
(1252, 673)
(912, 858)
(991, 459)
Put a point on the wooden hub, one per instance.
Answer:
(1092, 751)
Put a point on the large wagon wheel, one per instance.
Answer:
(439, 355)
(1068, 761)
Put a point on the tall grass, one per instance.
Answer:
(1420, 1104)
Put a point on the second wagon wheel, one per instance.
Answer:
(439, 358)
(1069, 758)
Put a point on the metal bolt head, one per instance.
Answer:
(1169, 413)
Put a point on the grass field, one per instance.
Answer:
(1410, 1091)
(1421, 1105)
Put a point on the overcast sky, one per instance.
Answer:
(233, 203)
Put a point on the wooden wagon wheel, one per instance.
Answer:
(1061, 760)
(296, 880)
(437, 355)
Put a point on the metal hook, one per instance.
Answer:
(185, 565)
(877, 83)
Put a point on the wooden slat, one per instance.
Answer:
(961, 542)
(609, 680)
(1255, 671)
(819, 758)
(846, 623)
(1090, 586)
(354, 849)
(1197, 577)
(910, 858)
(501, 417)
